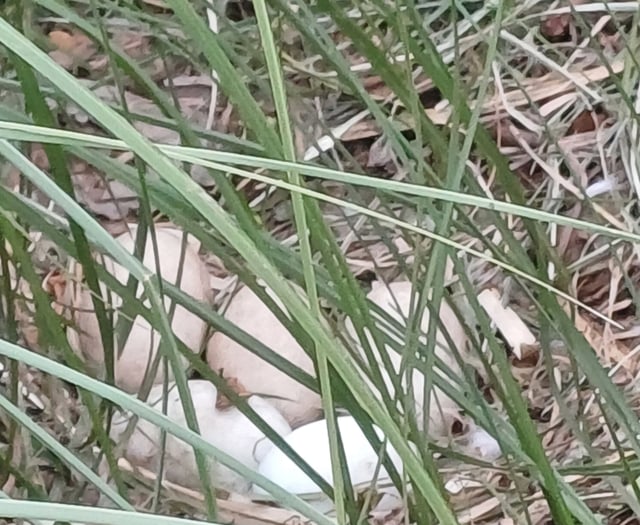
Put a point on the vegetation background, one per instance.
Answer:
(464, 146)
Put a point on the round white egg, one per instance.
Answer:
(311, 442)
(295, 401)
(142, 344)
(395, 299)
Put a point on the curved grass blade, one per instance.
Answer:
(300, 219)
(18, 131)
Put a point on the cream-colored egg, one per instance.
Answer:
(142, 344)
(295, 401)
(395, 299)
(226, 429)
(311, 442)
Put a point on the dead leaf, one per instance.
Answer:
(530, 356)
(106, 198)
(116, 203)
(507, 134)
(362, 130)
(39, 157)
(556, 26)
(380, 153)
(593, 287)
(133, 43)
(612, 44)
(222, 401)
(608, 350)
(189, 81)
(586, 122)
(71, 49)
(289, 34)
(394, 517)
(307, 129)
(55, 284)
(192, 107)
(571, 242)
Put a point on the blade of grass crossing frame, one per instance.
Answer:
(28, 132)
(446, 195)
(422, 231)
(300, 220)
(58, 512)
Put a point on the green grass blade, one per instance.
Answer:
(286, 137)
(80, 514)
(17, 131)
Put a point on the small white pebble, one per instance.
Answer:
(599, 187)
(36, 401)
(453, 486)
(325, 143)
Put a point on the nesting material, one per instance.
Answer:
(227, 429)
(295, 401)
(395, 300)
(311, 442)
(142, 344)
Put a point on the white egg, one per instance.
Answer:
(227, 429)
(311, 442)
(295, 401)
(395, 299)
(142, 344)
(479, 443)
